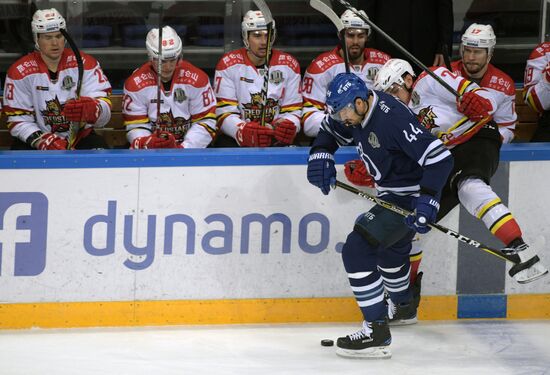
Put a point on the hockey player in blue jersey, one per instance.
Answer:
(410, 167)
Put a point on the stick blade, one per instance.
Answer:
(262, 6)
(327, 11)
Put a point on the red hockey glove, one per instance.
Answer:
(252, 134)
(284, 131)
(50, 141)
(161, 140)
(473, 106)
(85, 109)
(356, 173)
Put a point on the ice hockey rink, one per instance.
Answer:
(449, 347)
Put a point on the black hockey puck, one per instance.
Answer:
(327, 342)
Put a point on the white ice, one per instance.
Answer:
(457, 347)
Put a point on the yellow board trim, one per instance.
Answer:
(528, 306)
(158, 313)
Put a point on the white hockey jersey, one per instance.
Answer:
(503, 90)
(436, 107)
(187, 110)
(536, 90)
(33, 102)
(322, 71)
(238, 85)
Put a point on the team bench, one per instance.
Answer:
(115, 134)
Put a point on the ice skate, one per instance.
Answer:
(405, 313)
(529, 267)
(372, 341)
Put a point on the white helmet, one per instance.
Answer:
(171, 43)
(479, 36)
(254, 20)
(46, 21)
(353, 21)
(392, 72)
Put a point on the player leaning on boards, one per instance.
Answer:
(536, 89)
(188, 106)
(238, 84)
(364, 62)
(410, 167)
(40, 91)
(467, 129)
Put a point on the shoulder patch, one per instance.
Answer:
(189, 74)
(375, 56)
(283, 58)
(496, 79)
(24, 67)
(141, 78)
(231, 58)
(540, 50)
(324, 61)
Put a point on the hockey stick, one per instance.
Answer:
(399, 47)
(327, 11)
(531, 260)
(74, 128)
(262, 6)
(511, 258)
(159, 73)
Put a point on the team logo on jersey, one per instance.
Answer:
(371, 73)
(52, 116)
(178, 126)
(42, 88)
(427, 117)
(253, 110)
(276, 77)
(179, 95)
(68, 83)
(373, 140)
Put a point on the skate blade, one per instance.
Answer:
(403, 322)
(527, 279)
(378, 352)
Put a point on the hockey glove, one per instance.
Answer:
(252, 134)
(163, 139)
(473, 106)
(321, 171)
(284, 131)
(356, 173)
(84, 109)
(426, 207)
(49, 141)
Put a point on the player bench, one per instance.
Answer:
(115, 134)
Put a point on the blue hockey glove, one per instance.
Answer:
(424, 213)
(321, 171)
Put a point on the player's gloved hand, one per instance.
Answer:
(321, 171)
(424, 213)
(252, 134)
(284, 131)
(474, 106)
(356, 173)
(49, 141)
(84, 109)
(161, 139)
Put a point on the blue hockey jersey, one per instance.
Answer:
(401, 155)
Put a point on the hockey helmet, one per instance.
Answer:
(46, 21)
(353, 21)
(171, 44)
(392, 73)
(342, 92)
(479, 36)
(254, 20)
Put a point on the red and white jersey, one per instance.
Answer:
(187, 110)
(502, 87)
(238, 85)
(536, 90)
(436, 107)
(33, 102)
(322, 71)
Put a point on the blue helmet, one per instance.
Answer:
(343, 90)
